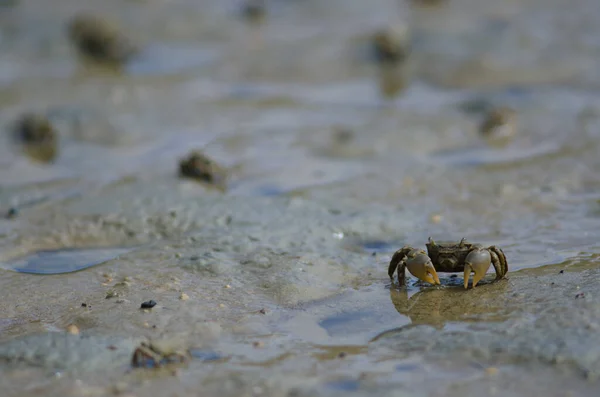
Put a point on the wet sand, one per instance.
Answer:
(278, 284)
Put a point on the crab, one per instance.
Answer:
(451, 257)
(158, 354)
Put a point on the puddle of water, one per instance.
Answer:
(345, 323)
(475, 156)
(170, 59)
(407, 367)
(371, 246)
(62, 261)
(344, 385)
(205, 355)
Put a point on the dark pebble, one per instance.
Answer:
(562, 271)
(374, 253)
(453, 276)
(580, 295)
(148, 305)
(262, 311)
(84, 305)
(342, 355)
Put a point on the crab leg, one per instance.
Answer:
(478, 262)
(397, 262)
(499, 261)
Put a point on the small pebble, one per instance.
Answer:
(491, 371)
(73, 330)
(111, 347)
(580, 295)
(436, 218)
(228, 286)
(221, 305)
(258, 344)
(111, 294)
(562, 271)
(262, 311)
(84, 305)
(184, 296)
(342, 355)
(148, 304)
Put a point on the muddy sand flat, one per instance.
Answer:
(275, 283)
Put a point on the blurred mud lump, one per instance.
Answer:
(37, 136)
(201, 168)
(392, 80)
(390, 48)
(100, 40)
(8, 3)
(254, 10)
(342, 135)
(391, 45)
(428, 3)
(498, 126)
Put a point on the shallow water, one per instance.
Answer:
(63, 261)
(279, 284)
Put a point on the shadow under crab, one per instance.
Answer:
(448, 257)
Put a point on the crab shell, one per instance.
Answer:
(449, 256)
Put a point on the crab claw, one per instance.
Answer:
(478, 262)
(420, 266)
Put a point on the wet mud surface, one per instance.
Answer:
(275, 281)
